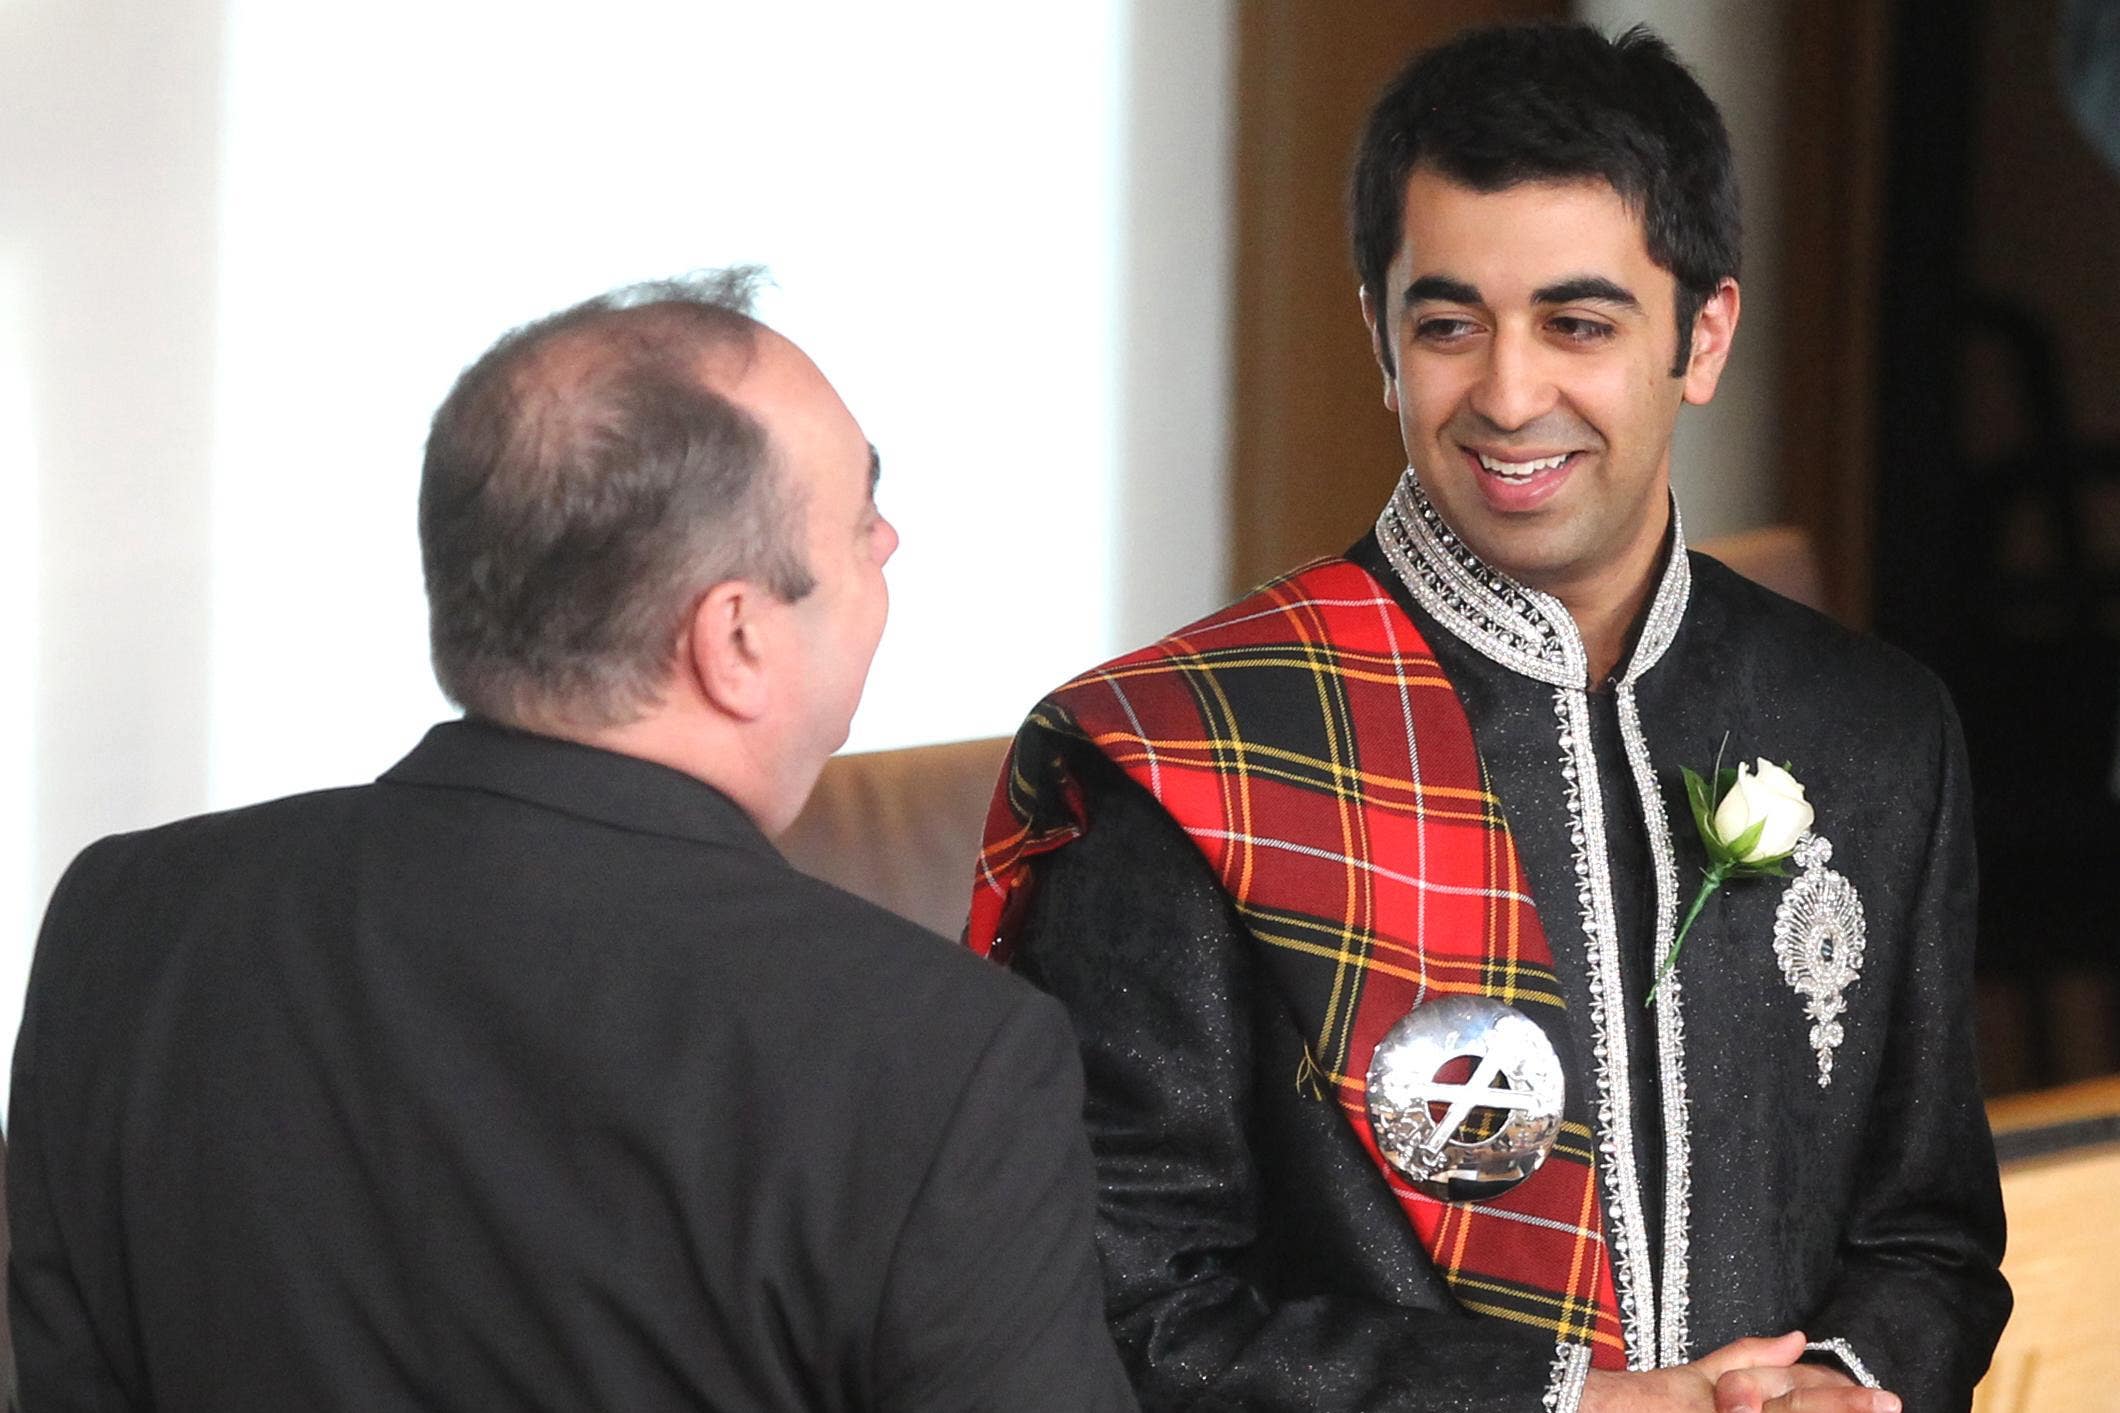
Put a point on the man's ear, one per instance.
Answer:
(725, 647)
(1376, 347)
(1713, 329)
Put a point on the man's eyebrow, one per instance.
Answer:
(1586, 289)
(875, 468)
(1441, 289)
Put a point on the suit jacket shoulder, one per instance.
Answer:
(527, 1067)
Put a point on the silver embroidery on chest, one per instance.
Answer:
(1819, 937)
(1633, 1278)
(1531, 633)
(1674, 1342)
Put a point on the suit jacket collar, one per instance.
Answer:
(605, 786)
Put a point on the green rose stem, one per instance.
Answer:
(1726, 857)
(1711, 879)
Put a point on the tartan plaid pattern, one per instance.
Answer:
(1307, 741)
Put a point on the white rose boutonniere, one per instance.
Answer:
(1749, 821)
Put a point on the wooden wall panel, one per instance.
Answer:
(1832, 226)
(1315, 453)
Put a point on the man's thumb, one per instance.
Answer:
(1758, 1352)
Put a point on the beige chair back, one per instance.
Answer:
(901, 828)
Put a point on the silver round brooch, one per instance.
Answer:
(1465, 1097)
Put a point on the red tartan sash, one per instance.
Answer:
(1307, 740)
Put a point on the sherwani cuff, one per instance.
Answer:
(1571, 1370)
(1843, 1354)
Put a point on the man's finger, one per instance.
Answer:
(1833, 1400)
(1747, 1390)
(1776, 1352)
(1759, 1390)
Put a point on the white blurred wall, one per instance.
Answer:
(244, 247)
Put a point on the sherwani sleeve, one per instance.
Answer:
(1129, 928)
(1919, 1300)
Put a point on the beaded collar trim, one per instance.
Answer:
(1520, 628)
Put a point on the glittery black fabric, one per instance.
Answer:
(1253, 1257)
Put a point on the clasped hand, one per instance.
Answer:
(1745, 1376)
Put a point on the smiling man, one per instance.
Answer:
(1363, 890)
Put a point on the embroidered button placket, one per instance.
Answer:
(1531, 633)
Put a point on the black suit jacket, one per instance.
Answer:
(532, 1077)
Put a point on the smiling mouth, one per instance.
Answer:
(1520, 471)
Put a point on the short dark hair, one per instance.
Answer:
(1507, 104)
(583, 486)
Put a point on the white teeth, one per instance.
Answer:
(1520, 470)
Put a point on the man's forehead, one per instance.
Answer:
(1538, 234)
(1426, 180)
(773, 379)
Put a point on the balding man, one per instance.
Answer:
(530, 1075)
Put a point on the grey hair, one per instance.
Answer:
(583, 486)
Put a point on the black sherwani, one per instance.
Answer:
(533, 1077)
(1254, 1258)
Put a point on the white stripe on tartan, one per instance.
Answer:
(1385, 609)
(1312, 851)
(1278, 611)
(1155, 771)
(1549, 1223)
(1404, 1193)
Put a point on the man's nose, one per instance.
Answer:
(886, 541)
(1516, 387)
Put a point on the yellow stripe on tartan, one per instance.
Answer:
(1389, 665)
(1205, 754)
(1472, 807)
(1574, 1143)
(1456, 1227)
(1556, 1326)
(1527, 982)
(1555, 1311)
(1566, 1311)
(1336, 1025)
(1504, 935)
(1345, 955)
(1425, 673)
(1219, 715)
(1580, 1249)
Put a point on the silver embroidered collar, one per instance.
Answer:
(1519, 627)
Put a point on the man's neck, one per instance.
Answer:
(1609, 623)
(1608, 609)
(704, 747)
